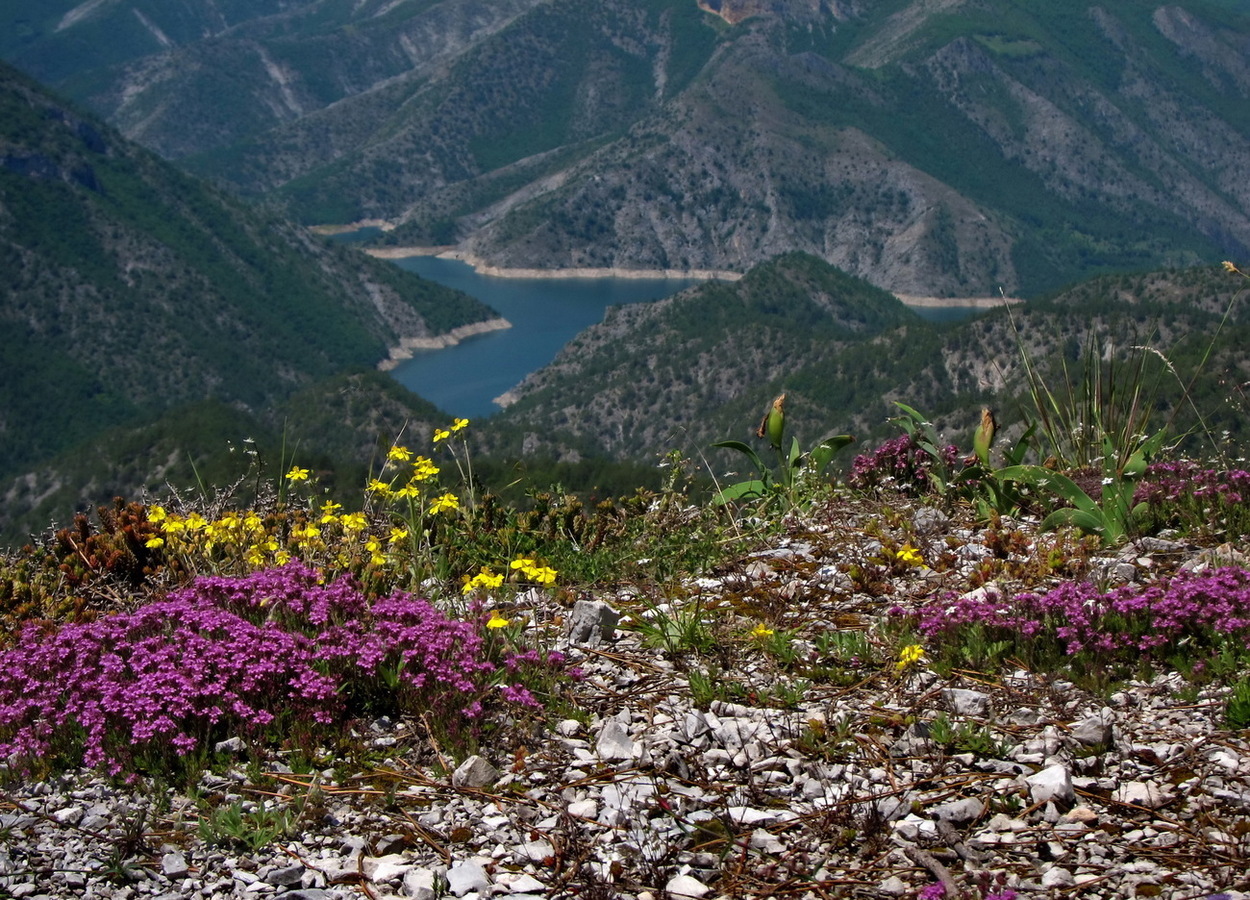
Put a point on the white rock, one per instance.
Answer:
(592, 622)
(521, 883)
(614, 742)
(1141, 793)
(474, 772)
(1052, 783)
(958, 811)
(467, 876)
(174, 866)
(1092, 731)
(419, 884)
(766, 842)
(893, 886)
(391, 867)
(967, 703)
(1058, 877)
(685, 887)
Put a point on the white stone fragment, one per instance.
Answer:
(592, 622)
(614, 742)
(1141, 793)
(967, 703)
(1058, 877)
(466, 876)
(475, 772)
(1052, 783)
(686, 887)
(419, 884)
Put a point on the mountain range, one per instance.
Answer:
(932, 147)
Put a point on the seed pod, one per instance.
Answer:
(984, 438)
(774, 422)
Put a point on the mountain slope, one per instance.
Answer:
(131, 288)
(947, 148)
(702, 366)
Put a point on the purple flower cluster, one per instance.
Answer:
(898, 464)
(1132, 618)
(232, 653)
(1173, 482)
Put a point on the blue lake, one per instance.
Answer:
(546, 313)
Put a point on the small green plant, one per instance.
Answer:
(1113, 516)
(965, 737)
(1237, 708)
(793, 465)
(676, 628)
(232, 825)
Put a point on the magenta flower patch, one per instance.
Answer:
(232, 654)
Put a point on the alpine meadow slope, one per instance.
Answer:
(945, 149)
(132, 290)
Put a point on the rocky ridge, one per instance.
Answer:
(847, 792)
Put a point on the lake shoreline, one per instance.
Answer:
(484, 268)
(403, 351)
(491, 271)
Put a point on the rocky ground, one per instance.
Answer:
(678, 775)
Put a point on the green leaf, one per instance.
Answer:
(1045, 479)
(743, 490)
(745, 449)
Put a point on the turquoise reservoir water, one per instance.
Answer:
(545, 314)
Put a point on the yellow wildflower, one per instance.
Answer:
(328, 509)
(297, 474)
(252, 522)
(397, 535)
(496, 621)
(909, 555)
(445, 502)
(542, 575)
(408, 490)
(441, 434)
(399, 454)
(761, 631)
(254, 557)
(353, 522)
(155, 541)
(423, 469)
(483, 579)
(378, 486)
(909, 655)
(459, 423)
(156, 514)
(523, 563)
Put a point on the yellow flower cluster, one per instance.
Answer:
(531, 571)
(483, 579)
(761, 631)
(329, 538)
(909, 655)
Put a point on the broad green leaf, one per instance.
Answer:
(743, 490)
(746, 449)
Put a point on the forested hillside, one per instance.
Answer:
(131, 289)
(703, 365)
